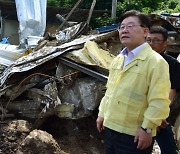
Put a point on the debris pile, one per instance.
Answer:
(63, 74)
(69, 77)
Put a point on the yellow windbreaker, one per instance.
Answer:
(138, 94)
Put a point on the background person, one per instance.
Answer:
(157, 38)
(136, 100)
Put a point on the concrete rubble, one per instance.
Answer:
(64, 74)
(40, 78)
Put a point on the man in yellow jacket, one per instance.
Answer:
(136, 100)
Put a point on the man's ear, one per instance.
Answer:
(146, 31)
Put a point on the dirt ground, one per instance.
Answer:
(76, 136)
(73, 136)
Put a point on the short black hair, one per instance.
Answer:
(159, 30)
(143, 18)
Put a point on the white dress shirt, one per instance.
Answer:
(128, 56)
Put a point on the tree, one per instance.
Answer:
(146, 6)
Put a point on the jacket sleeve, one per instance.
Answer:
(106, 97)
(158, 95)
(101, 107)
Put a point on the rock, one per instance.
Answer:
(21, 126)
(39, 142)
(12, 133)
(80, 99)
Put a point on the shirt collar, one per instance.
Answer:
(134, 51)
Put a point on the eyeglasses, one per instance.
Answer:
(128, 27)
(155, 41)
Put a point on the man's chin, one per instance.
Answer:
(125, 43)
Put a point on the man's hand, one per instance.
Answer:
(164, 124)
(143, 139)
(99, 124)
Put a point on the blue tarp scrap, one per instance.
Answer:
(4, 41)
(105, 29)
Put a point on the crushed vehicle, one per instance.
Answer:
(64, 73)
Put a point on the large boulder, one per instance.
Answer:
(39, 142)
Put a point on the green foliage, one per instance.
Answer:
(177, 9)
(128, 5)
(170, 6)
(86, 4)
(68, 3)
(173, 6)
(147, 10)
(103, 21)
(61, 3)
(146, 6)
(53, 2)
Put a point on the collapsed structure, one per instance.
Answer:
(64, 73)
(61, 74)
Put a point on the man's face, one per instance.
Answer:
(156, 42)
(131, 33)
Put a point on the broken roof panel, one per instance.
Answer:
(47, 53)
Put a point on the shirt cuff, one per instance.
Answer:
(101, 114)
